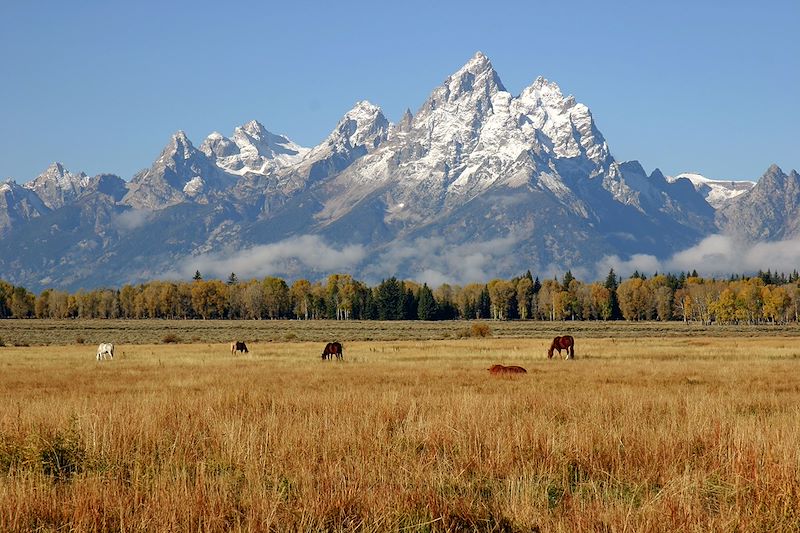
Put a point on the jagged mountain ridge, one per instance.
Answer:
(474, 165)
(769, 211)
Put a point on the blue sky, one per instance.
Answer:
(684, 86)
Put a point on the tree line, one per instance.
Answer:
(763, 298)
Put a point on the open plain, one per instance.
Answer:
(654, 427)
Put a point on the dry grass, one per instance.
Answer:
(653, 434)
(44, 332)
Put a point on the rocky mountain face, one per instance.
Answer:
(769, 211)
(57, 187)
(17, 206)
(477, 182)
(181, 173)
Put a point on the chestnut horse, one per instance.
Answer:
(562, 343)
(332, 349)
(500, 369)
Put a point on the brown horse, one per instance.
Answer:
(562, 343)
(500, 369)
(239, 346)
(332, 349)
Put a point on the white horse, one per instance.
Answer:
(105, 349)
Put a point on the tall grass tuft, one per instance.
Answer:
(170, 338)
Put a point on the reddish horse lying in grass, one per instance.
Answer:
(562, 343)
(332, 349)
(500, 369)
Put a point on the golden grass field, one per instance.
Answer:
(647, 430)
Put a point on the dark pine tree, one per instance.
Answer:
(537, 286)
(389, 297)
(409, 304)
(426, 304)
(370, 311)
(611, 284)
(446, 311)
(672, 282)
(484, 304)
(470, 309)
(568, 277)
(513, 307)
(197, 276)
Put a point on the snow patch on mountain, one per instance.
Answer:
(194, 186)
(716, 192)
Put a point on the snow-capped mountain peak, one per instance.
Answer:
(360, 131)
(567, 124)
(472, 85)
(362, 125)
(179, 146)
(254, 140)
(252, 150)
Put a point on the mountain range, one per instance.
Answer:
(477, 182)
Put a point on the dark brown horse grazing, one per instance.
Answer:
(239, 346)
(562, 343)
(332, 349)
(500, 369)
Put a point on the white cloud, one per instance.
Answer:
(436, 262)
(280, 258)
(644, 263)
(132, 219)
(717, 255)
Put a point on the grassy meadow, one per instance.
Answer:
(649, 429)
